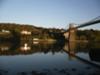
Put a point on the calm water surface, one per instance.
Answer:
(34, 58)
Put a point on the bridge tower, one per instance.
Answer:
(72, 33)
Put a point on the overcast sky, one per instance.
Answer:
(49, 13)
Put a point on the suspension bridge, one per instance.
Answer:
(70, 34)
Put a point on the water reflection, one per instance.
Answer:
(49, 58)
(25, 47)
(4, 47)
(90, 49)
(29, 48)
(95, 55)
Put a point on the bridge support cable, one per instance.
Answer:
(88, 23)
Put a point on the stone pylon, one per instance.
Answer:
(72, 33)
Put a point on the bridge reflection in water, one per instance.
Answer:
(49, 58)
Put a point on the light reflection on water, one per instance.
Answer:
(46, 58)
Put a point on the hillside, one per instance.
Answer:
(35, 32)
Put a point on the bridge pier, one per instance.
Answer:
(72, 33)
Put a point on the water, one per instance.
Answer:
(47, 58)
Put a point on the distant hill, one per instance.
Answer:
(36, 32)
(45, 33)
(20, 27)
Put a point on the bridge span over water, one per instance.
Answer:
(70, 34)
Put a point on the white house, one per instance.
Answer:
(24, 32)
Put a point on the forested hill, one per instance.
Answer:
(91, 35)
(20, 27)
(48, 33)
(38, 32)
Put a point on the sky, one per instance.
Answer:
(49, 13)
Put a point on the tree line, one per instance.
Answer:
(90, 35)
(36, 32)
(48, 33)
